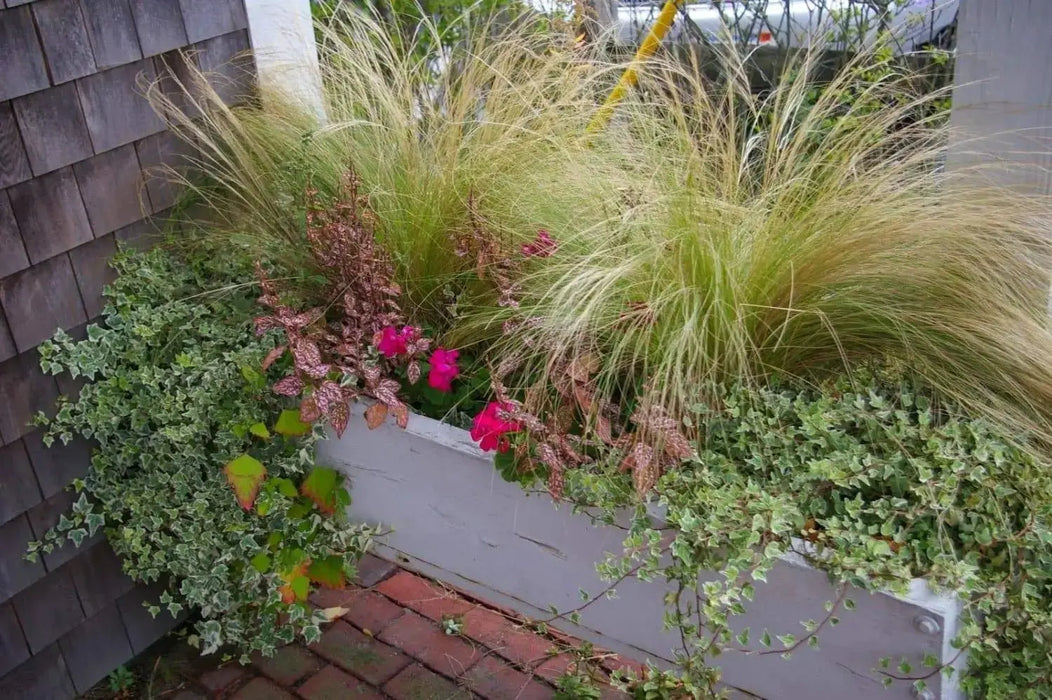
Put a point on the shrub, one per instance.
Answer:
(174, 393)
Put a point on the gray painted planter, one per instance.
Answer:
(454, 519)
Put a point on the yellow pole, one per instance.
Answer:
(631, 75)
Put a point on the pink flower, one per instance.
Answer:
(489, 429)
(443, 369)
(542, 246)
(393, 343)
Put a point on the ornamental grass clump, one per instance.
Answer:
(790, 235)
(496, 125)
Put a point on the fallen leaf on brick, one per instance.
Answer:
(333, 613)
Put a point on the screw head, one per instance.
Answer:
(925, 624)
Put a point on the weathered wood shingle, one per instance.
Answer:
(60, 24)
(52, 604)
(50, 214)
(15, 572)
(99, 578)
(159, 24)
(20, 55)
(14, 165)
(13, 647)
(40, 300)
(205, 19)
(7, 343)
(53, 129)
(111, 186)
(229, 68)
(57, 466)
(91, 266)
(43, 676)
(111, 29)
(20, 491)
(12, 253)
(95, 647)
(114, 107)
(26, 390)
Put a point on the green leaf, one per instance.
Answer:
(320, 486)
(300, 587)
(290, 425)
(259, 430)
(297, 584)
(77, 535)
(765, 638)
(285, 487)
(261, 563)
(245, 474)
(255, 379)
(94, 521)
(328, 572)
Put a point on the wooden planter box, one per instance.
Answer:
(456, 520)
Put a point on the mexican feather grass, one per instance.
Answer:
(710, 235)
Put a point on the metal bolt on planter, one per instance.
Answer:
(926, 624)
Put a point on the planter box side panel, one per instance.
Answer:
(455, 519)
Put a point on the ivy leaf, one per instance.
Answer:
(255, 380)
(77, 535)
(328, 572)
(245, 474)
(297, 585)
(765, 638)
(259, 430)
(285, 487)
(300, 587)
(261, 563)
(94, 522)
(320, 486)
(290, 425)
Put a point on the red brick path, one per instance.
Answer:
(393, 643)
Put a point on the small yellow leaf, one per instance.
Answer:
(333, 613)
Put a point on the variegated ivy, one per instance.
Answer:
(869, 480)
(202, 477)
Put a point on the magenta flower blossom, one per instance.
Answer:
(393, 342)
(490, 431)
(541, 247)
(443, 369)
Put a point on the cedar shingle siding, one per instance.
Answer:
(76, 142)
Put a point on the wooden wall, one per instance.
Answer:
(76, 142)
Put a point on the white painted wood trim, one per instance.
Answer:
(454, 519)
(282, 34)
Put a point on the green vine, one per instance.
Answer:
(176, 393)
(872, 482)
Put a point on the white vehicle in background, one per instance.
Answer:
(785, 24)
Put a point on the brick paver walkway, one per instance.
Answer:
(410, 638)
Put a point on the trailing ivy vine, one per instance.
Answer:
(176, 392)
(870, 481)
